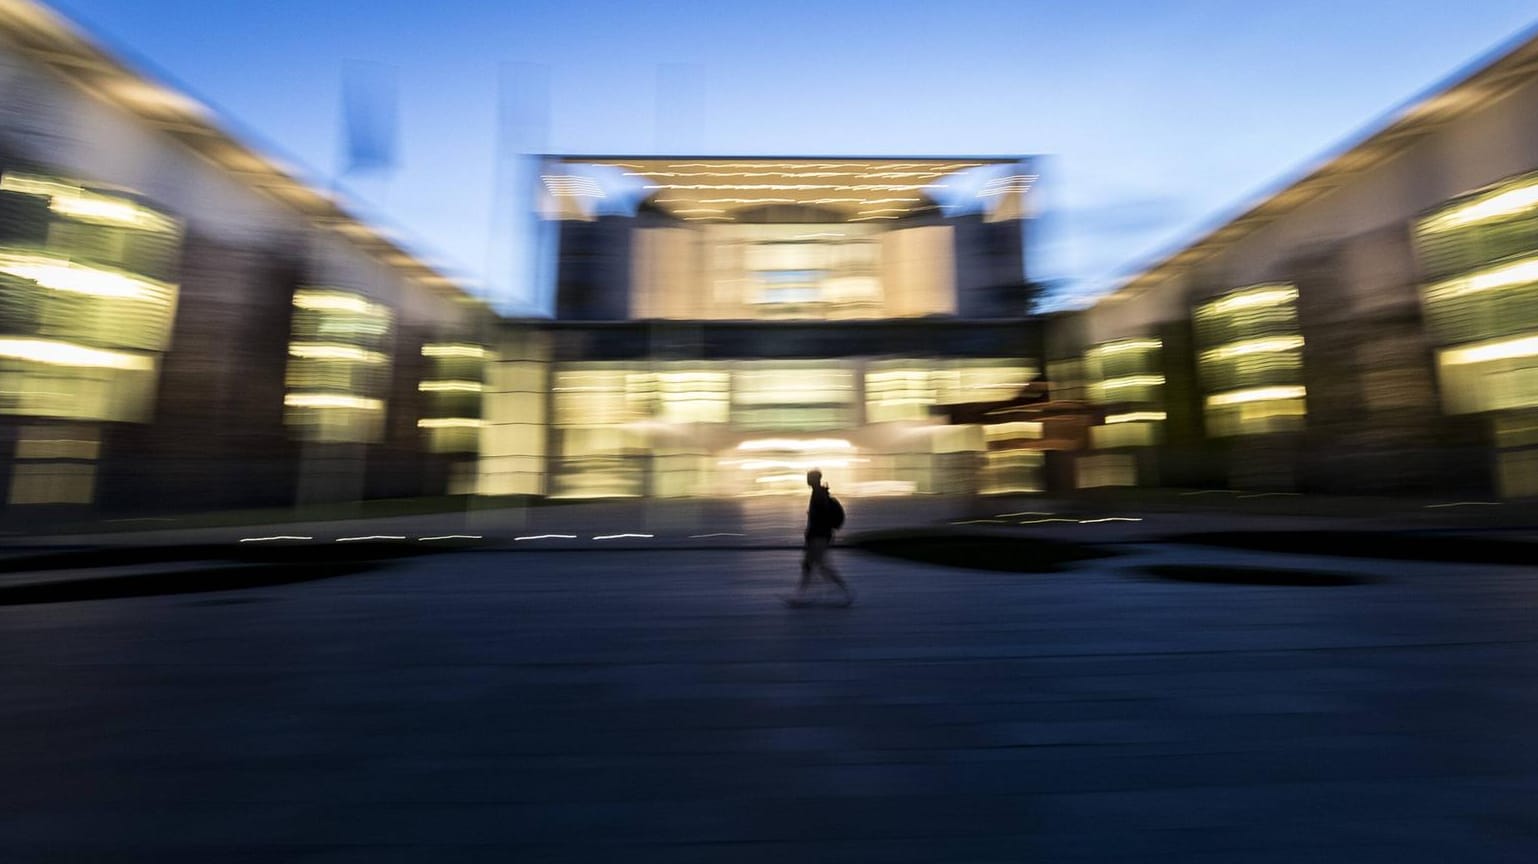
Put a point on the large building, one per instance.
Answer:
(185, 323)
(723, 324)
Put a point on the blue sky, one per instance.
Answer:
(1157, 116)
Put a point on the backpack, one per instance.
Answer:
(835, 513)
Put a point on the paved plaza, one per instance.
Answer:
(633, 705)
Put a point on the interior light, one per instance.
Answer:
(67, 354)
(1256, 394)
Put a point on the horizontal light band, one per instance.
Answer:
(331, 351)
(1126, 345)
(1257, 394)
(1133, 381)
(336, 301)
(1506, 349)
(68, 354)
(1524, 272)
(1261, 295)
(795, 445)
(1268, 345)
(78, 203)
(1135, 417)
(1499, 206)
(331, 400)
(60, 274)
(450, 423)
(450, 387)
(453, 350)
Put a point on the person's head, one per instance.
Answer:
(814, 478)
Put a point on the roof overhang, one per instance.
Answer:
(719, 189)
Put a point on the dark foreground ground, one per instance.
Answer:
(640, 706)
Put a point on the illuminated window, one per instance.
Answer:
(1008, 472)
(452, 391)
(1251, 361)
(981, 380)
(1481, 252)
(87, 300)
(899, 391)
(805, 397)
(338, 366)
(1494, 224)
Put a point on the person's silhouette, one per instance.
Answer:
(824, 515)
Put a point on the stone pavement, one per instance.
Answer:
(662, 706)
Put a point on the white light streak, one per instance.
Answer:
(1256, 394)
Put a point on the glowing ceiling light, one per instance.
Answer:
(1260, 295)
(56, 353)
(450, 387)
(336, 301)
(332, 400)
(450, 423)
(1499, 206)
(451, 349)
(1506, 349)
(328, 351)
(61, 275)
(1269, 345)
(1256, 394)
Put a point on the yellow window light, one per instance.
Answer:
(1260, 295)
(336, 301)
(56, 353)
(1499, 206)
(450, 423)
(70, 200)
(1506, 349)
(1268, 345)
(62, 275)
(453, 350)
(332, 400)
(450, 387)
(1255, 394)
(1125, 345)
(1133, 381)
(1511, 275)
(1136, 417)
(330, 351)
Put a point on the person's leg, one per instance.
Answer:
(808, 560)
(829, 572)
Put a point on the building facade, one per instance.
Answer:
(184, 324)
(724, 324)
(1368, 327)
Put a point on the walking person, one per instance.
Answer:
(824, 515)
